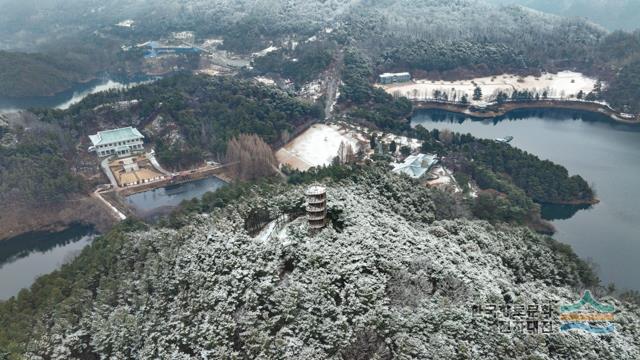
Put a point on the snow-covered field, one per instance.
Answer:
(126, 23)
(565, 85)
(317, 146)
(265, 80)
(414, 144)
(264, 52)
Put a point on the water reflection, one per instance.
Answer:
(25, 257)
(603, 152)
(553, 212)
(24, 245)
(65, 99)
(157, 202)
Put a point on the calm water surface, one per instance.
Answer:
(606, 154)
(25, 257)
(161, 201)
(70, 97)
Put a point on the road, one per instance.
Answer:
(105, 168)
(333, 78)
(117, 213)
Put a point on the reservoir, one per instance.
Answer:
(23, 258)
(606, 154)
(70, 97)
(161, 201)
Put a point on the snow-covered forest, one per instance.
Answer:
(432, 19)
(613, 14)
(449, 38)
(391, 278)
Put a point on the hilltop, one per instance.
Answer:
(391, 277)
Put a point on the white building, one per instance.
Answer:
(415, 165)
(121, 142)
(390, 78)
(188, 36)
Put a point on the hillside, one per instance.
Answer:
(60, 66)
(24, 74)
(45, 169)
(188, 117)
(389, 279)
(612, 14)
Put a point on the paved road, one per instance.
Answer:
(156, 164)
(118, 214)
(105, 168)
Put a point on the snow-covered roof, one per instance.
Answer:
(415, 165)
(115, 135)
(315, 190)
(385, 75)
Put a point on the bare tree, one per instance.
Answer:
(346, 155)
(446, 136)
(250, 157)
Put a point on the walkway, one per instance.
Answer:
(117, 213)
(107, 171)
(152, 158)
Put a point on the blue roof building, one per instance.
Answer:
(121, 142)
(416, 165)
(153, 49)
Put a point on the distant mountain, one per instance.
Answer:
(612, 14)
(28, 24)
(24, 74)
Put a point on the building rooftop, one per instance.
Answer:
(395, 74)
(115, 135)
(315, 190)
(415, 165)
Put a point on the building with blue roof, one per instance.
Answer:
(416, 165)
(154, 49)
(121, 142)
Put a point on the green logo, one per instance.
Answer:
(579, 317)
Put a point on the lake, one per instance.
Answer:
(156, 202)
(604, 153)
(70, 97)
(25, 257)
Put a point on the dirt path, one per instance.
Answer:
(333, 79)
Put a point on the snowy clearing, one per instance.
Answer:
(563, 85)
(126, 23)
(414, 144)
(316, 147)
(445, 179)
(264, 52)
(265, 80)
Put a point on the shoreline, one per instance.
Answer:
(82, 209)
(593, 201)
(495, 110)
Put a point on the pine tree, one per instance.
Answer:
(477, 93)
(393, 147)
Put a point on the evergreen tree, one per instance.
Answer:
(477, 93)
(393, 147)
